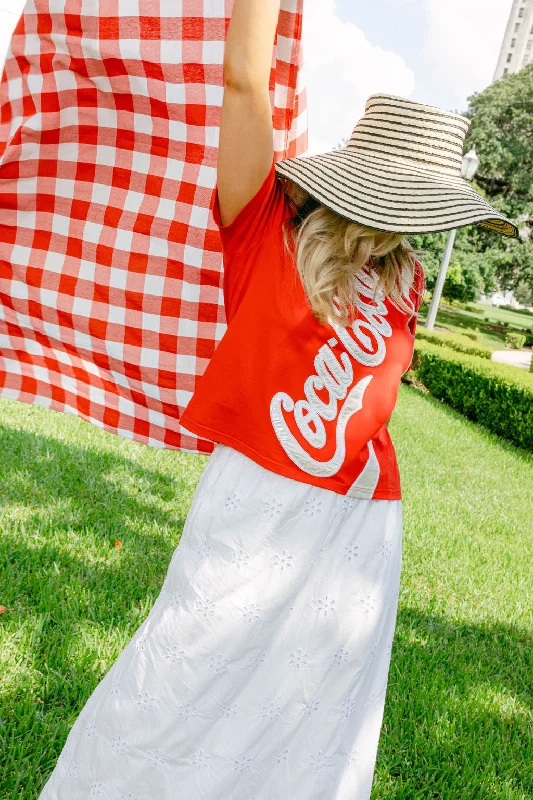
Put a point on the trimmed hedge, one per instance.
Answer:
(457, 341)
(498, 396)
(525, 311)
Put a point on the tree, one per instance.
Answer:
(501, 128)
(524, 294)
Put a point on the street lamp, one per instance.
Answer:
(468, 170)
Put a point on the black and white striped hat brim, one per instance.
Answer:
(400, 172)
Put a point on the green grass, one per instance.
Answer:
(458, 718)
(482, 321)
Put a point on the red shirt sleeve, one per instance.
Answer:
(261, 216)
(263, 212)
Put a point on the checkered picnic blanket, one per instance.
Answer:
(111, 301)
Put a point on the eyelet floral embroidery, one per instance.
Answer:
(386, 549)
(73, 771)
(271, 712)
(272, 508)
(240, 765)
(217, 663)
(348, 503)
(347, 708)
(240, 558)
(118, 744)
(157, 758)
(187, 712)
(351, 551)
(353, 757)
(367, 604)
(140, 642)
(325, 605)
(97, 788)
(145, 701)
(115, 689)
(251, 613)
(260, 659)
(90, 729)
(233, 502)
(282, 560)
(174, 654)
(312, 707)
(299, 659)
(206, 608)
(204, 549)
(283, 757)
(313, 507)
(320, 761)
(199, 759)
(318, 557)
(230, 711)
(374, 699)
(176, 598)
(341, 656)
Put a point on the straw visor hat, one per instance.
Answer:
(400, 172)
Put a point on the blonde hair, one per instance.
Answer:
(330, 251)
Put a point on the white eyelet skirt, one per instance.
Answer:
(261, 671)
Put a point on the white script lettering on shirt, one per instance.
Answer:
(335, 378)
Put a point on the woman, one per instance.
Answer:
(261, 670)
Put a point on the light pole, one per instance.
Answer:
(468, 170)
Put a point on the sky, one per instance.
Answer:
(434, 51)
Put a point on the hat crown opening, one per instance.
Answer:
(403, 131)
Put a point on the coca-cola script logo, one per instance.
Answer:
(335, 375)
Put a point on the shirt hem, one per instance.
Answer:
(265, 461)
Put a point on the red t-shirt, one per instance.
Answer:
(305, 400)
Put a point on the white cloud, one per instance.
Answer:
(342, 68)
(462, 43)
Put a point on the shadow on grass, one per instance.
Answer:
(73, 600)
(457, 720)
(458, 716)
(91, 479)
(64, 506)
(459, 711)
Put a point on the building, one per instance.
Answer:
(517, 45)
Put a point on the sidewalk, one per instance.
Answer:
(517, 358)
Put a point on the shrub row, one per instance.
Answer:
(496, 395)
(525, 311)
(457, 341)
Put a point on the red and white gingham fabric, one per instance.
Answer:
(111, 301)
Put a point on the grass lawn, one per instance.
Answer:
(458, 718)
(487, 321)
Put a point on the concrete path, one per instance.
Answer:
(518, 358)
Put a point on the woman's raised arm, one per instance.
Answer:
(246, 146)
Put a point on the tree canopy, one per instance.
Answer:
(501, 129)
